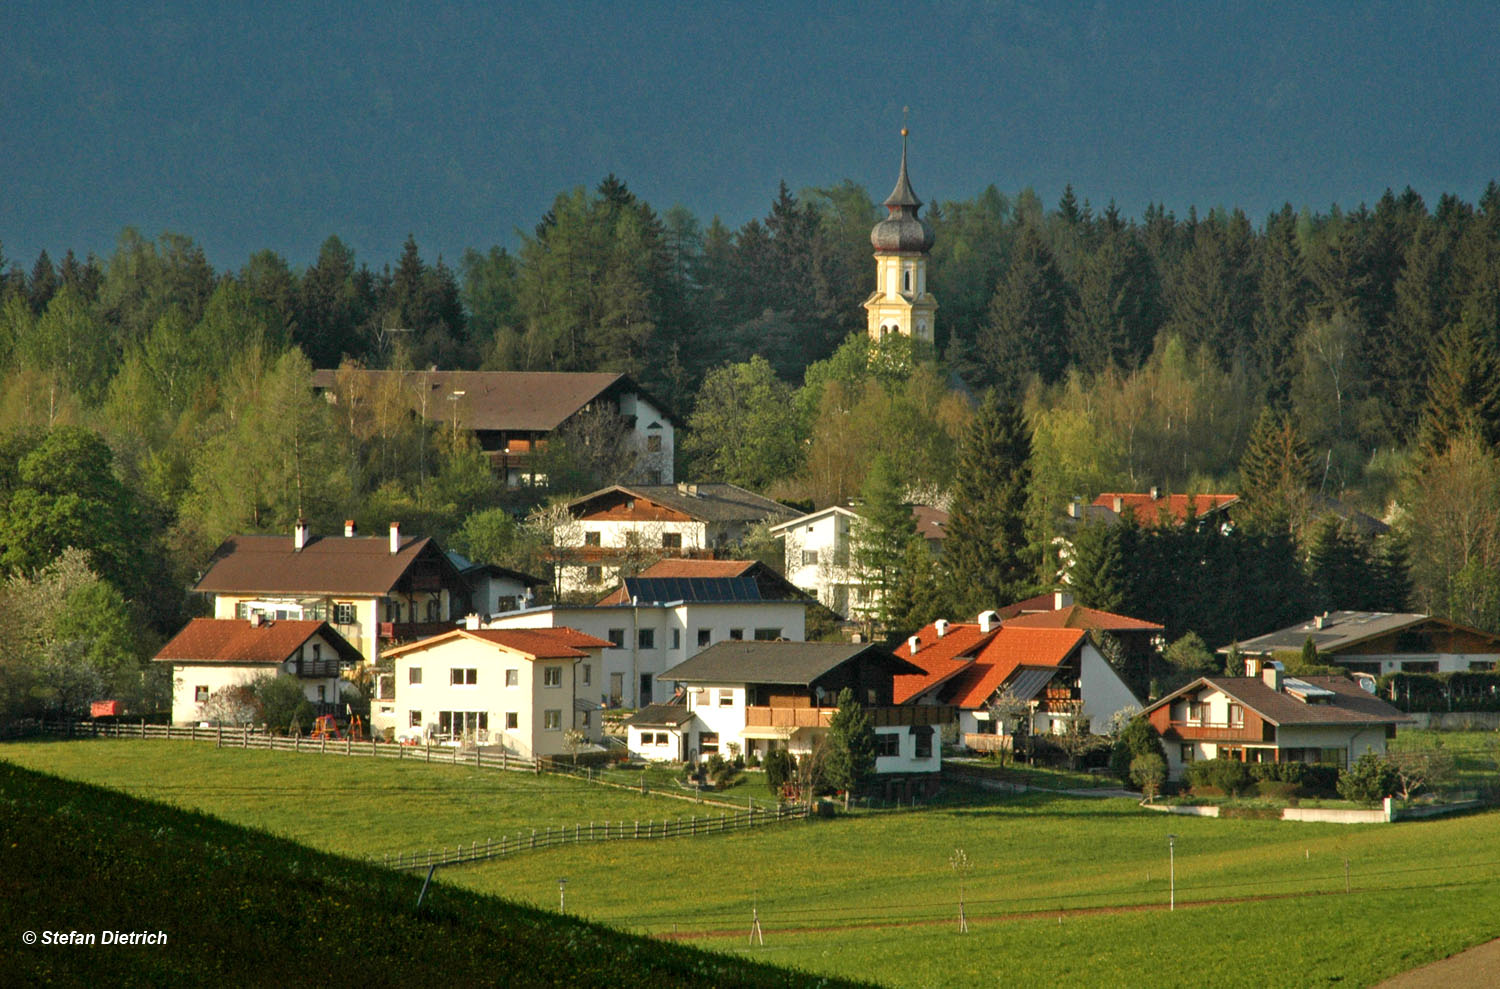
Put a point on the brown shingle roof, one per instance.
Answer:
(524, 401)
(1351, 704)
(359, 565)
(237, 642)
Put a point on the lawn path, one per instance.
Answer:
(1479, 966)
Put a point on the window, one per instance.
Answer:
(1236, 716)
(552, 676)
(809, 558)
(317, 652)
(588, 674)
(653, 444)
(415, 720)
(512, 720)
(591, 538)
(414, 674)
(645, 638)
(708, 742)
(726, 697)
(200, 693)
(552, 719)
(617, 638)
(1195, 712)
(662, 738)
(906, 280)
(767, 634)
(322, 692)
(593, 575)
(463, 676)
(1334, 757)
(512, 678)
(343, 614)
(676, 638)
(887, 743)
(1187, 754)
(737, 634)
(645, 695)
(924, 742)
(671, 540)
(586, 715)
(705, 636)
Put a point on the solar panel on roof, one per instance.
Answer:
(656, 590)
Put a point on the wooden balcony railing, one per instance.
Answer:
(1194, 731)
(819, 717)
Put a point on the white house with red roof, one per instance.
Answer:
(519, 689)
(967, 664)
(211, 655)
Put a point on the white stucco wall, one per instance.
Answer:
(187, 678)
(832, 578)
(1103, 691)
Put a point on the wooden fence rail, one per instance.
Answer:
(552, 837)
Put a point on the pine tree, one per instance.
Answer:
(1276, 474)
(851, 745)
(1026, 326)
(1463, 389)
(884, 527)
(1096, 572)
(989, 559)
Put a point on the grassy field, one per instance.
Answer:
(241, 908)
(1060, 887)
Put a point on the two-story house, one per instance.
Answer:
(513, 414)
(618, 530)
(820, 558)
(518, 689)
(653, 623)
(1377, 643)
(1057, 671)
(751, 697)
(374, 590)
(210, 655)
(1267, 716)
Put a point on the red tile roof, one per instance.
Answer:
(235, 641)
(540, 643)
(969, 665)
(1148, 510)
(1077, 616)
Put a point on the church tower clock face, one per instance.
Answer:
(900, 304)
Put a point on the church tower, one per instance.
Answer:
(901, 303)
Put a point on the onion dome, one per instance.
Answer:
(903, 230)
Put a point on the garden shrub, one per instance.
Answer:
(1368, 780)
(1276, 789)
(1148, 772)
(1139, 738)
(1229, 776)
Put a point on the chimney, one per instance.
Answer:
(395, 538)
(348, 528)
(1155, 492)
(942, 627)
(1061, 600)
(471, 621)
(913, 644)
(989, 620)
(257, 619)
(1321, 620)
(1272, 675)
(1252, 666)
(1119, 505)
(299, 535)
(1075, 508)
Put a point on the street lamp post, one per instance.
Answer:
(1172, 871)
(562, 897)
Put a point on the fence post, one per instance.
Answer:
(348, 745)
(504, 759)
(244, 744)
(218, 741)
(195, 731)
(533, 837)
(428, 743)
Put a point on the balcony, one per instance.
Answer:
(793, 718)
(1195, 731)
(318, 668)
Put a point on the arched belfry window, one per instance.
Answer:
(906, 280)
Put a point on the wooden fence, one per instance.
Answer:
(553, 837)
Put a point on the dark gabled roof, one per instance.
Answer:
(466, 567)
(1340, 630)
(703, 502)
(1350, 705)
(523, 401)
(357, 565)
(235, 642)
(661, 716)
(779, 662)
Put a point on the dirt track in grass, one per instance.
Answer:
(1479, 966)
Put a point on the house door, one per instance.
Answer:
(616, 688)
(645, 696)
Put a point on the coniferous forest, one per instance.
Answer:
(1335, 368)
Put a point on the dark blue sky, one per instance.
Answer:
(249, 126)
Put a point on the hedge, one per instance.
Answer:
(1463, 690)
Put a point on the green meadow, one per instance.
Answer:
(1059, 888)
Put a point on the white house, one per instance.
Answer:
(1377, 643)
(751, 697)
(1057, 670)
(519, 689)
(211, 656)
(621, 528)
(819, 548)
(493, 589)
(513, 414)
(659, 622)
(1267, 716)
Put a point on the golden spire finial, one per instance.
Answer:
(904, 111)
